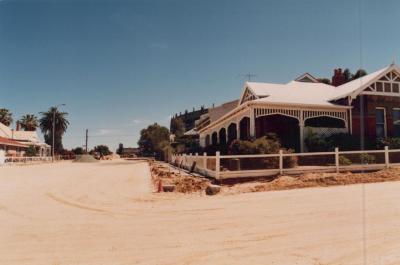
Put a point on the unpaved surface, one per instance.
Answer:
(104, 213)
(313, 180)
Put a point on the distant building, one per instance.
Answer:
(189, 118)
(129, 152)
(15, 142)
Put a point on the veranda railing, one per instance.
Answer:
(12, 160)
(237, 166)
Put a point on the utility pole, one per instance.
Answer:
(86, 140)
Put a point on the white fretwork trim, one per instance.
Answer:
(308, 114)
(302, 115)
(294, 113)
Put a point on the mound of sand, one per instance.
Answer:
(183, 182)
(314, 180)
(85, 159)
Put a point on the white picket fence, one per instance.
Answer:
(34, 159)
(239, 166)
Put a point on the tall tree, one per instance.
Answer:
(6, 117)
(152, 140)
(324, 80)
(120, 149)
(29, 122)
(103, 150)
(177, 127)
(78, 150)
(347, 75)
(359, 73)
(61, 125)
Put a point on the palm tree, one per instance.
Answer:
(46, 126)
(29, 122)
(6, 117)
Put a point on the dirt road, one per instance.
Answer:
(104, 213)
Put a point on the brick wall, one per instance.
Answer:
(370, 104)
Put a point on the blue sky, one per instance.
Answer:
(121, 65)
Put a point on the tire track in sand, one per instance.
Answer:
(12, 212)
(77, 205)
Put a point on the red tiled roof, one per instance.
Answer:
(10, 142)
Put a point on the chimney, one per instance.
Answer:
(338, 77)
(17, 126)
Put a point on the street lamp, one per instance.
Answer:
(54, 126)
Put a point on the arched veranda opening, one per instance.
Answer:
(208, 140)
(325, 122)
(222, 136)
(286, 129)
(214, 138)
(232, 133)
(244, 127)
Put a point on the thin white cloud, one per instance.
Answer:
(106, 131)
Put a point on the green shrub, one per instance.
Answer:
(392, 143)
(343, 141)
(344, 161)
(317, 143)
(31, 151)
(268, 144)
(290, 161)
(367, 158)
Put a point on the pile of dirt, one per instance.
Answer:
(314, 180)
(85, 159)
(183, 182)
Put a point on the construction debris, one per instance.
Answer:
(213, 189)
(168, 188)
(180, 180)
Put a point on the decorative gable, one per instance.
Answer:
(307, 78)
(248, 95)
(389, 84)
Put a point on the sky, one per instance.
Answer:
(122, 65)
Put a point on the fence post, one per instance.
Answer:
(387, 162)
(217, 164)
(337, 159)
(205, 160)
(281, 162)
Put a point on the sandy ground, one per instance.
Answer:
(104, 213)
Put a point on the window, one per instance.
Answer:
(396, 122)
(379, 87)
(387, 87)
(380, 117)
(395, 87)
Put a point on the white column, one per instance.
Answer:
(238, 129)
(217, 164)
(301, 127)
(202, 140)
(252, 123)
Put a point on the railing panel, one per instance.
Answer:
(236, 166)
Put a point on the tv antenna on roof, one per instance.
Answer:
(248, 76)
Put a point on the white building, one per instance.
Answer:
(15, 142)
